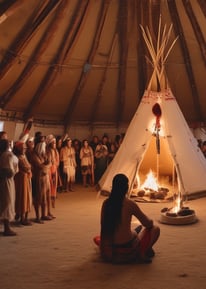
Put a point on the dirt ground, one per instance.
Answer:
(61, 254)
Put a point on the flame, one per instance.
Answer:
(177, 205)
(150, 182)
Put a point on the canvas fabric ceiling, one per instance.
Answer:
(72, 61)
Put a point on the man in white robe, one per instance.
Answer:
(8, 168)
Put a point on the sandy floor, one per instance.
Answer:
(61, 254)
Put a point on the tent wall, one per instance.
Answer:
(78, 131)
(183, 147)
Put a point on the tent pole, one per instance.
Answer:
(158, 152)
(158, 168)
(173, 177)
(180, 182)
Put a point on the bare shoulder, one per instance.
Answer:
(130, 203)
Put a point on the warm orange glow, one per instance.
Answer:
(152, 129)
(177, 205)
(150, 182)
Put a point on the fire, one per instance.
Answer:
(150, 182)
(177, 205)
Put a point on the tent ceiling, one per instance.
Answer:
(73, 61)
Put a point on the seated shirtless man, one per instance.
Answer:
(118, 243)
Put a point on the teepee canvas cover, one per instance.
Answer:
(187, 158)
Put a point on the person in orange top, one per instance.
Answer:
(23, 185)
(41, 183)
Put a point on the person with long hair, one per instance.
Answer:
(87, 163)
(118, 242)
(67, 156)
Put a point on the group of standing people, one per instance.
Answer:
(84, 161)
(28, 177)
(33, 171)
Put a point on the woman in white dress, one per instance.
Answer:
(67, 156)
(87, 163)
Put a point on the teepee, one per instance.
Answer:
(159, 120)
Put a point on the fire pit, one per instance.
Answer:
(182, 217)
(153, 190)
(176, 215)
